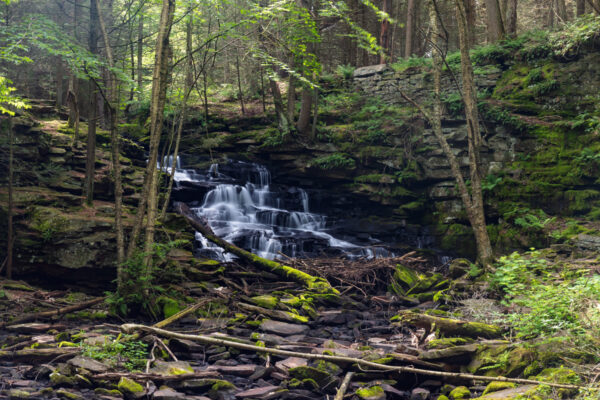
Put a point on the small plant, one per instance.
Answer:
(534, 76)
(345, 71)
(48, 225)
(490, 182)
(412, 62)
(545, 87)
(454, 104)
(123, 351)
(335, 160)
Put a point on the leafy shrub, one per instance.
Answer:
(491, 54)
(547, 299)
(454, 104)
(576, 34)
(534, 76)
(545, 87)
(412, 62)
(48, 224)
(335, 160)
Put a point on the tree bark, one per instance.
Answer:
(159, 93)
(112, 105)
(511, 17)
(476, 210)
(10, 240)
(471, 10)
(384, 34)
(239, 82)
(60, 75)
(282, 121)
(305, 109)
(140, 56)
(73, 91)
(291, 97)
(410, 28)
(561, 11)
(92, 114)
(494, 20)
(580, 8)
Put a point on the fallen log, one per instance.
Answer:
(130, 328)
(115, 376)
(39, 355)
(54, 313)
(311, 282)
(450, 327)
(275, 314)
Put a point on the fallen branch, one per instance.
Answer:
(129, 328)
(38, 355)
(451, 327)
(115, 376)
(179, 315)
(311, 282)
(344, 386)
(275, 314)
(54, 313)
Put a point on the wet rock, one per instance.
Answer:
(321, 377)
(108, 392)
(18, 394)
(167, 393)
(259, 392)
(509, 394)
(459, 267)
(419, 394)
(283, 328)
(88, 364)
(58, 379)
(237, 370)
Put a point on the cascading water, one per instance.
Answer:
(240, 207)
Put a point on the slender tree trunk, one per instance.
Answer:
(494, 20)
(476, 210)
(10, 240)
(471, 10)
(305, 109)
(561, 11)
(92, 114)
(384, 34)
(60, 79)
(159, 92)
(140, 56)
(284, 124)
(115, 143)
(580, 8)
(262, 90)
(511, 17)
(410, 28)
(205, 93)
(239, 82)
(291, 98)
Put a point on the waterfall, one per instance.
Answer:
(241, 207)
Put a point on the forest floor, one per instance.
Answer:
(86, 354)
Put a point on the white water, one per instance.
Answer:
(254, 217)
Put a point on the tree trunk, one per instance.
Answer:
(384, 39)
(92, 114)
(73, 92)
(561, 11)
(580, 8)
(471, 10)
(494, 20)
(283, 123)
(113, 97)
(410, 28)
(305, 109)
(189, 85)
(511, 17)
(140, 56)
(10, 240)
(159, 93)
(291, 98)
(60, 78)
(239, 82)
(476, 210)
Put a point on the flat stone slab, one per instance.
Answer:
(257, 392)
(237, 370)
(369, 70)
(291, 362)
(168, 394)
(88, 363)
(283, 328)
(508, 394)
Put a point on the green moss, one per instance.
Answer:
(108, 392)
(372, 393)
(321, 377)
(222, 385)
(459, 393)
(168, 305)
(404, 278)
(444, 343)
(442, 397)
(129, 386)
(496, 386)
(265, 301)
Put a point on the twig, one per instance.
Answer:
(128, 328)
(344, 386)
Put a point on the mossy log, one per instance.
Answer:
(311, 282)
(451, 327)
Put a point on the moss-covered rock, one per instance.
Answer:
(496, 386)
(371, 393)
(265, 301)
(321, 377)
(448, 342)
(130, 387)
(168, 306)
(459, 393)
